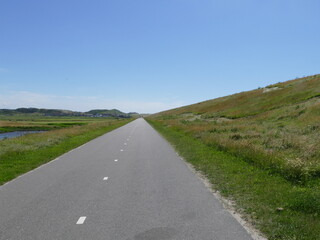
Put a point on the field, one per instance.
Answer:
(29, 122)
(19, 155)
(261, 150)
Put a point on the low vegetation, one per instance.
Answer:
(19, 155)
(31, 122)
(27, 123)
(259, 148)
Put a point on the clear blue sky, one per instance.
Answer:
(148, 56)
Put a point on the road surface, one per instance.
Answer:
(127, 184)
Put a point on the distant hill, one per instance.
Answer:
(108, 113)
(58, 112)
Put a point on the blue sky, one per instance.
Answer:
(149, 56)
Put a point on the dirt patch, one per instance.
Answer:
(265, 90)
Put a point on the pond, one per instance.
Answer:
(16, 134)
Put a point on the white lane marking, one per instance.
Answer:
(121, 150)
(125, 143)
(81, 220)
(105, 178)
(116, 160)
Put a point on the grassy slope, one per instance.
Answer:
(260, 149)
(20, 155)
(255, 102)
(277, 130)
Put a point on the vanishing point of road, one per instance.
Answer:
(128, 184)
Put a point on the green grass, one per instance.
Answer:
(258, 193)
(20, 155)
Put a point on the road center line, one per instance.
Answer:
(116, 160)
(105, 178)
(81, 220)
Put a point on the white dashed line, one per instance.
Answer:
(121, 150)
(116, 160)
(105, 178)
(81, 220)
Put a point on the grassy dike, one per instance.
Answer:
(20, 155)
(280, 209)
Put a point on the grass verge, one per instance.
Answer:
(20, 155)
(277, 207)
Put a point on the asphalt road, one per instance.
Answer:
(128, 184)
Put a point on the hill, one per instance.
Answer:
(58, 112)
(275, 127)
(106, 113)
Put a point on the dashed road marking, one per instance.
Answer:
(116, 160)
(81, 220)
(121, 150)
(105, 178)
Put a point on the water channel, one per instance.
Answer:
(16, 134)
